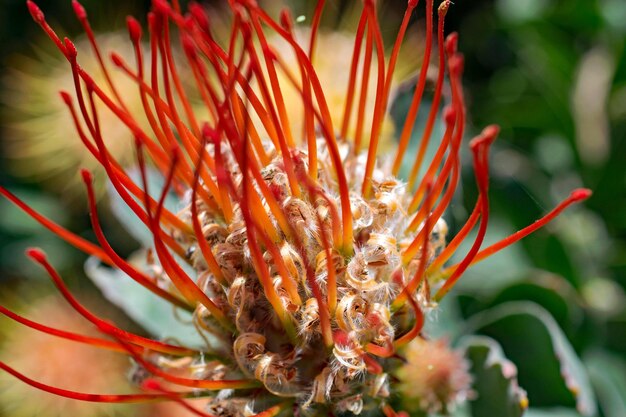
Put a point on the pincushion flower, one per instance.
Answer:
(62, 365)
(434, 378)
(38, 146)
(308, 266)
(66, 364)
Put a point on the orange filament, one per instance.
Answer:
(119, 178)
(434, 108)
(415, 282)
(315, 24)
(71, 238)
(258, 262)
(188, 288)
(365, 77)
(309, 119)
(88, 340)
(205, 248)
(122, 264)
(480, 149)
(417, 326)
(81, 14)
(79, 396)
(352, 80)
(154, 385)
(39, 256)
(327, 130)
(576, 196)
(113, 177)
(379, 107)
(409, 122)
(186, 382)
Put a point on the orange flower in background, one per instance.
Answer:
(59, 362)
(434, 378)
(38, 146)
(306, 264)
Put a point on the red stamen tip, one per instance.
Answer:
(67, 98)
(87, 177)
(411, 4)
(161, 6)
(486, 137)
(79, 10)
(491, 132)
(35, 12)
(456, 65)
(581, 194)
(476, 142)
(452, 41)
(239, 11)
(443, 7)
(72, 52)
(200, 16)
(117, 60)
(188, 22)
(134, 29)
(449, 115)
(36, 254)
(154, 22)
(286, 20)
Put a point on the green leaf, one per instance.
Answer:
(495, 379)
(608, 376)
(615, 331)
(548, 365)
(154, 314)
(551, 412)
(550, 291)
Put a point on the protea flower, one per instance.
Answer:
(434, 378)
(38, 146)
(307, 264)
(63, 365)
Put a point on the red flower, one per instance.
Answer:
(312, 265)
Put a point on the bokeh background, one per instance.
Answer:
(551, 73)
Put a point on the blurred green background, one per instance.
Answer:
(551, 73)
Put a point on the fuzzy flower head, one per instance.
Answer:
(63, 365)
(435, 378)
(306, 263)
(38, 145)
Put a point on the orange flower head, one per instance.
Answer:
(307, 264)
